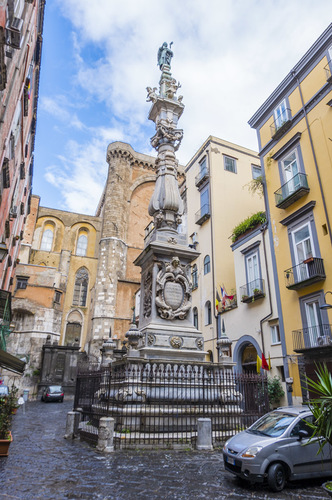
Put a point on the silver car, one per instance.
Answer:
(277, 448)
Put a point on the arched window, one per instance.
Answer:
(195, 317)
(81, 287)
(194, 276)
(82, 244)
(47, 238)
(208, 314)
(207, 267)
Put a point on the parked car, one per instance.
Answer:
(4, 391)
(53, 393)
(277, 448)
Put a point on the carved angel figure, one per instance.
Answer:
(152, 96)
(165, 55)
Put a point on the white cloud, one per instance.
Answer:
(228, 55)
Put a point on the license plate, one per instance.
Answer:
(230, 461)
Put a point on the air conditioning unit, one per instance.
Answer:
(13, 213)
(14, 33)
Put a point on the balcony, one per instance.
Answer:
(309, 271)
(292, 191)
(281, 125)
(202, 176)
(203, 214)
(228, 305)
(328, 73)
(313, 337)
(252, 291)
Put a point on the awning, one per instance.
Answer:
(11, 363)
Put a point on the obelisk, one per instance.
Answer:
(165, 319)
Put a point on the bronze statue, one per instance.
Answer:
(165, 55)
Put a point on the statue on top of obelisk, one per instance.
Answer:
(166, 205)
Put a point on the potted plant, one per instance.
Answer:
(275, 391)
(5, 424)
(321, 408)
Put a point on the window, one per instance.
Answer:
(208, 313)
(275, 334)
(47, 239)
(57, 297)
(194, 276)
(230, 164)
(280, 114)
(290, 170)
(207, 264)
(195, 317)
(316, 327)
(205, 205)
(21, 282)
(256, 171)
(5, 174)
(81, 287)
(82, 244)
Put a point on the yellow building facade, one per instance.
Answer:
(294, 129)
(218, 198)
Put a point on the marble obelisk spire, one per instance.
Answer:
(165, 319)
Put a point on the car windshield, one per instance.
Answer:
(273, 424)
(55, 388)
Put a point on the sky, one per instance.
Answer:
(98, 58)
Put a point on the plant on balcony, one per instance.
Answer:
(321, 408)
(257, 291)
(255, 186)
(248, 224)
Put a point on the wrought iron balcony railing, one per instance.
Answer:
(291, 191)
(252, 291)
(312, 337)
(202, 176)
(281, 125)
(203, 214)
(309, 271)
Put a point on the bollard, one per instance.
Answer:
(105, 435)
(73, 418)
(204, 434)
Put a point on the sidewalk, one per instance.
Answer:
(44, 465)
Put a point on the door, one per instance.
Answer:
(314, 323)
(280, 114)
(304, 453)
(303, 249)
(291, 175)
(253, 274)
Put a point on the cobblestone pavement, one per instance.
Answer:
(44, 465)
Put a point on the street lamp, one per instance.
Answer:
(326, 306)
(3, 251)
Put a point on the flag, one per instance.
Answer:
(217, 300)
(224, 295)
(259, 364)
(265, 366)
(269, 362)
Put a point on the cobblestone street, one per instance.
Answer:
(44, 465)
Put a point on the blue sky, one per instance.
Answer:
(99, 57)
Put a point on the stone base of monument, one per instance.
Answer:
(154, 403)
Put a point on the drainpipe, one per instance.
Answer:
(313, 154)
(216, 316)
(263, 229)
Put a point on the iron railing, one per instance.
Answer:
(282, 124)
(253, 290)
(203, 214)
(312, 337)
(328, 73)
(291, 191)
(158, 404)
(202, 176)
(309, 271)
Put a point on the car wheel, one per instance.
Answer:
(276, 477)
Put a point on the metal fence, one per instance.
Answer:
(158, 404)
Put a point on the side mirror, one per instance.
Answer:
(303, 434)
